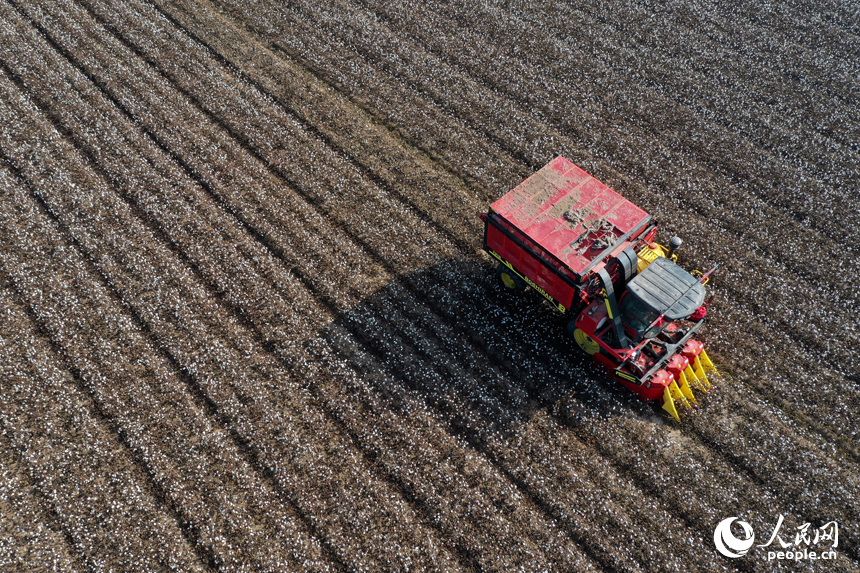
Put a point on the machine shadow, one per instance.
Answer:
(482, 358)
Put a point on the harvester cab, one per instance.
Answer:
(592, 254)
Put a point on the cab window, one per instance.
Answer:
(638, 316)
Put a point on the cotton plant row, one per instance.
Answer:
(290, 148)
(202, 474)
(212, 365)
(244, 185)
(78, 464)
(759, 260)
(706, 209)
(145, 311)
(507, 73)
(415, 336)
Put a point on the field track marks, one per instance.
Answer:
(740, 276)
(380, 155)
(292, 151)
(212, 483)
(86, 473)
(32, 537)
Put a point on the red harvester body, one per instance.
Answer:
(591, 252)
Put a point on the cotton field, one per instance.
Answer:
(247, 324)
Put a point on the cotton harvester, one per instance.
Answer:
(592, 254)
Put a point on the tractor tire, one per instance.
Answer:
(510, 279)
(584, 341)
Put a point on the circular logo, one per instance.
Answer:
(727, 543)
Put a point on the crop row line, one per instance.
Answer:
(236, 311)
(43, 513)
(741, 229)
(187, 528)
(808, 421)
(157, 340)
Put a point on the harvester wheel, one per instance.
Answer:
(510, 279)
(584, 341)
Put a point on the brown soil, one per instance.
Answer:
(247, 324)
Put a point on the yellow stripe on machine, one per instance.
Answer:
(703, 383)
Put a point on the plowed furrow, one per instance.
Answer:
(190, 217)
(32, 537)
(213, 474)
(742, 271)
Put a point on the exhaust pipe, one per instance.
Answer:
(674, 245)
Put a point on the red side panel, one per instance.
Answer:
(539, 269)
